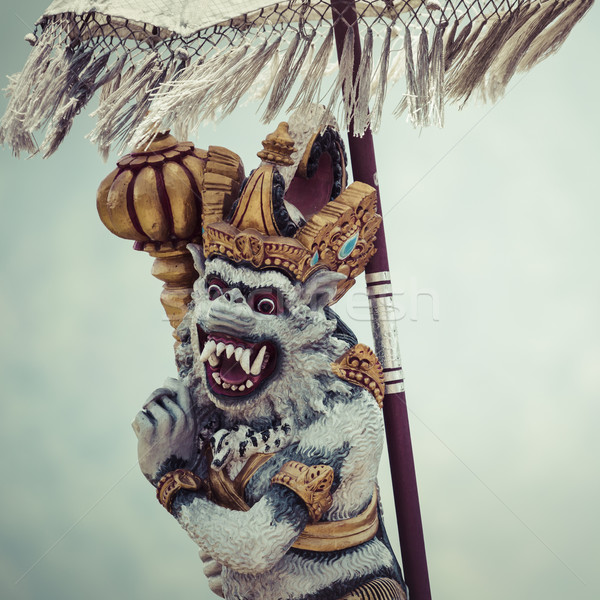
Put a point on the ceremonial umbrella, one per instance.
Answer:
(88, 66)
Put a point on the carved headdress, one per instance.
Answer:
(295, 212)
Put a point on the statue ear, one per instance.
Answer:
(320, 288)
(198, 256)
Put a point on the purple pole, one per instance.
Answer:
(404, 481)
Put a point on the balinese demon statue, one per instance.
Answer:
(266, 447)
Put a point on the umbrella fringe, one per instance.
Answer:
(288, 73)
(310, 88)
(113, 83)
(362, 87)
(550, 40)
(437, 61)
(486, 58)
(343, 89)
(461, 46)
(40, 90)
(397, 69)
(505, 64)
(149, 80)
(181, 102)
(382, 80)
(425, 85)
(265, 81)
(470, 73)
(80, 93)
(409, 99)
(230, 89)
(114, 115)
(422, 80)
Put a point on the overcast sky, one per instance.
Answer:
(493, 232)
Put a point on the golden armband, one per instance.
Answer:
(312, 484)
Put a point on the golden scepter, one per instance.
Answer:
(159, 196)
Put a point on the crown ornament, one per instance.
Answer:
(278, 146)
(267, 229)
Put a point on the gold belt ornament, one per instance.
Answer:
(330, 536)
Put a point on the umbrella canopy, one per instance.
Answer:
(175, 63)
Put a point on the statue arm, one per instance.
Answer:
(247, 542)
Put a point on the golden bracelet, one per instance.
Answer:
(173, 482)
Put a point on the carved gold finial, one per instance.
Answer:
(278, 147)
(160, 196)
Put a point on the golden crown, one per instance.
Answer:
(267, 227)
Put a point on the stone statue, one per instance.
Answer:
(266, 447)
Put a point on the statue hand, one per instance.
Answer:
(213, 570)
(166, 431)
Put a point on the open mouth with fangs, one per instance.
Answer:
(235, 367)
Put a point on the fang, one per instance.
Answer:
(208, 350)
(245, 360)
(258, 361)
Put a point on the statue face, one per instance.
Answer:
(240, 320)
(258, 336)
(236, 363)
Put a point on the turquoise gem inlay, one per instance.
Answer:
(348, 246)
(315, 259)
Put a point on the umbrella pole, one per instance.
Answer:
(379, 291)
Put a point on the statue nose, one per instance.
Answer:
(234, 295)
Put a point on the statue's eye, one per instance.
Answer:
(265, 302)
(266, 306)
(214, 291)
(215, 288)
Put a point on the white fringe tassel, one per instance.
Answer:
(362, 88)
(382, 80)
(343, 87)
(288, 73)
(310, 88)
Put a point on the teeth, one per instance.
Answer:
(213, 350)
(245, 360)
(208, 350)
(258, 361)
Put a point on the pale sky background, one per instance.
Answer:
(497, 216)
